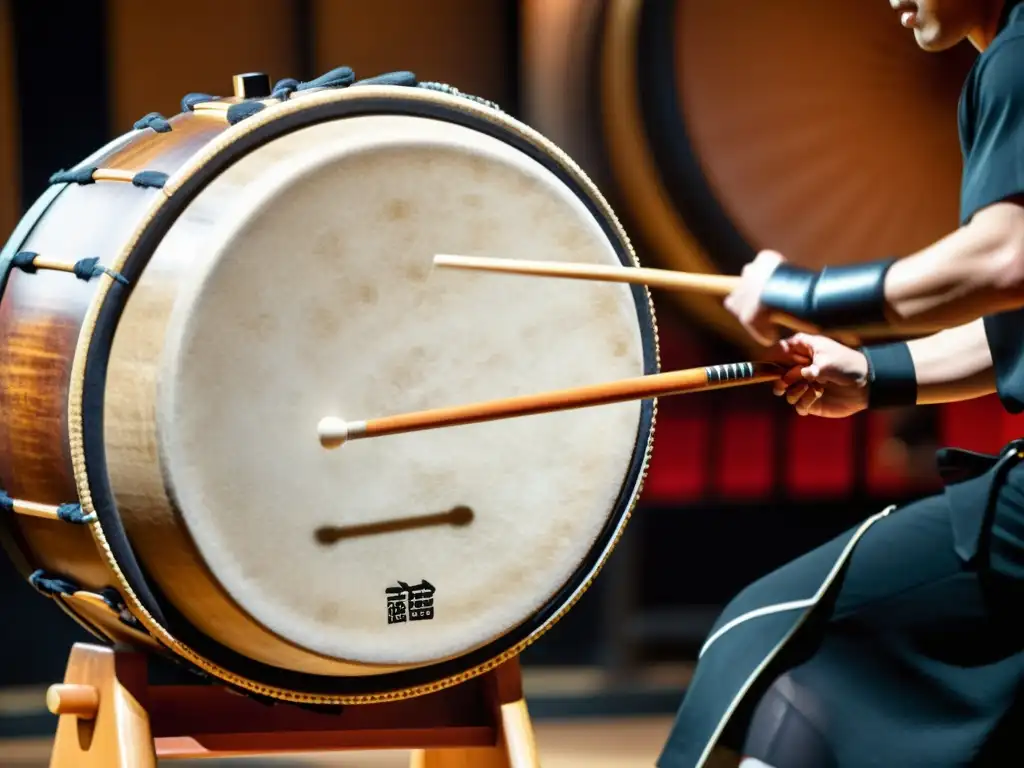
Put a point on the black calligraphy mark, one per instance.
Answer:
(457, 516)
(410, 603)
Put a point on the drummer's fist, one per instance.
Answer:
(824, 378)
(745, 301)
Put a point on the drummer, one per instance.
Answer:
(901, 642)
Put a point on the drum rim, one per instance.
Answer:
(87, 397)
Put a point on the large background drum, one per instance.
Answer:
(719, 129)
(262, 275)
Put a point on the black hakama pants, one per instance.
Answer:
(909, 628)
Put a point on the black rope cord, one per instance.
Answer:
(51, 586)
(6, 502)
(340, 77)
(189, 100)
(75, 176)
(84, 269)
(68, 513)
(154, 179)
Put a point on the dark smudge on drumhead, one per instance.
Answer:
(368, 294)
(404, 375)
(323, 322)
(607, 304)
(260, 324)
(328, 612)
(481, 233)
(328, 244)
(478, 166)
(397, 210)
(574, 239)
(416, 272)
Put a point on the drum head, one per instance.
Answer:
(318, 297)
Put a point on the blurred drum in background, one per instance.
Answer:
(180, 311)
(724, 128)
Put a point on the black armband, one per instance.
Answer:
(835, 297)
(892, 379)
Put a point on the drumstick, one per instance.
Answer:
(334, 431)
(710, 285)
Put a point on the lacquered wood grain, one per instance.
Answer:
(41, 317)
(166, 152)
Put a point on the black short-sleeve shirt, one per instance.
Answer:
(991, 122)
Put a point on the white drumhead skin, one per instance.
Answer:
(320, 298)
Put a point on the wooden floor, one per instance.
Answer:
(621, 743)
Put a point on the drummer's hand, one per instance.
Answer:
(824, 378)
(745, 301)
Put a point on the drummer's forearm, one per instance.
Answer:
(975, 271)
(954, 364)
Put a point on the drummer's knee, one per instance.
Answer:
(788, 729)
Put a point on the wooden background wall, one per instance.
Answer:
(10, 173)
(75, 73)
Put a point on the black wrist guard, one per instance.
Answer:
(835, 297)
(892, 380)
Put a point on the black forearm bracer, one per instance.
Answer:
(892, 379)
(835, 297)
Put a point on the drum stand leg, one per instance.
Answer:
(515, 746)
(102, 722)
(111, 717)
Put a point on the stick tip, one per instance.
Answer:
(332, 431)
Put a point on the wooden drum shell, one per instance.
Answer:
(41, 318)
(61, 332)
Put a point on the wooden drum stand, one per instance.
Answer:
(111, 717)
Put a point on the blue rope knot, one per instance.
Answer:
(77, 176)
(25, 261)
(403, 78)
(284, 88)
(244, 109)
(51, 586)
(189, 100)
(73, 513)
(339, 77)
(153, 120)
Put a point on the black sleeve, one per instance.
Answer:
(994, 163)
(1005, 333)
